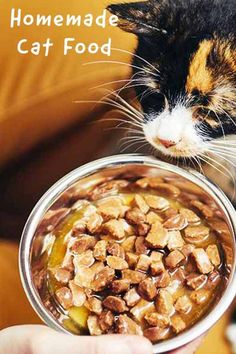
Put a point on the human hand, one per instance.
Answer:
(43, 340)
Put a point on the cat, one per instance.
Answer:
(184, 70)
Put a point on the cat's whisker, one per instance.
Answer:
(126, 113)
(114, 82)
(130, 128)
(139, 133)
(137, 73)
(128, 107)
(133, 134)
(229, 154)
(95, 102)
(129, 86)
(130, 117)
(136, 56)
(127, 129)
(129, 146)
(128, 81)
(224, 142)
(217, 162)
(146, 94)
(142, 95)
(124, 102)
(113, 104)
(135, 137)
(223, 146)
(141, 147)
(206, 160)
(120, 63)
(230, 139)
(224, 156)
(107, 103)
(229, 174)
(199, 164)
(225, 150)
(201, 168)
(228, 171)
(130, 141)
(230, 150)
(125, 87)
(121, 120)
(221, 125)
(121, 124)
(127, 143)
(193, 161)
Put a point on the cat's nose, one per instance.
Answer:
(167, 143)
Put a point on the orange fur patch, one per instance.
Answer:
(226, 51)
(199, 76)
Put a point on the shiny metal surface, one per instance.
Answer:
(135, 165)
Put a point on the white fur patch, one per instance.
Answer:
(177, 127)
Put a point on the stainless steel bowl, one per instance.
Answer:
(33, 245)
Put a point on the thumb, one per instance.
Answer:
(43, 340)
(47, 341)
(50, 342)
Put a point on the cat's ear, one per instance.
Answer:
(137, 17)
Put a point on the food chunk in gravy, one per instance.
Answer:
(134, 257)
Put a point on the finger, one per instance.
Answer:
(42, 340)
(108, 344)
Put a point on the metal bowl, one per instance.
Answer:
(34, 247)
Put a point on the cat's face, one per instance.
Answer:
(185, 71)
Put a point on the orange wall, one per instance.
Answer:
(37, 92)
(23, 77)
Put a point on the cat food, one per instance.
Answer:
(135, 257)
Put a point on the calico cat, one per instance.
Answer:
(185, 64)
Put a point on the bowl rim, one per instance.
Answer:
(83, 171)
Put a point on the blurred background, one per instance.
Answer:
(44, 133)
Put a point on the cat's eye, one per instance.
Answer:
(154, 101)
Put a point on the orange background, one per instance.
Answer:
(37, 102)
(37, 92)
